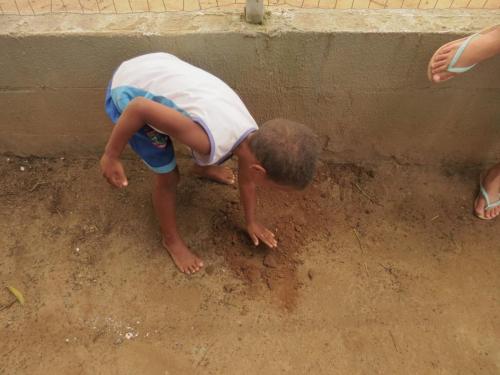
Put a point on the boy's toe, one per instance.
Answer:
(440, 58)
(438, 66)
(445, 76)
(192, 268)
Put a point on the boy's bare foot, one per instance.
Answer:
(491, 184)
(482, 46)
(217, 173)
(183, 258)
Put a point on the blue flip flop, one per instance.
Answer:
(457, 69)
(458, 54)
(489, 205)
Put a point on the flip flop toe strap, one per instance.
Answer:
(458, 69)
(489, 205)
(492, 205)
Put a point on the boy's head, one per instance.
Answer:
(287, 151)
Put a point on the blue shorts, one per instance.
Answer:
(154, 148)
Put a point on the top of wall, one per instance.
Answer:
(278, 21)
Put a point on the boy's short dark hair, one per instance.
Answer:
(287, 150)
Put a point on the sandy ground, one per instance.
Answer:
(380, 270)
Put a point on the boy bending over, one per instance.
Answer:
(157, 97)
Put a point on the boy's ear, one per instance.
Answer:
(258, 169)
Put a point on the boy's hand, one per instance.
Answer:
(112, 170)
(259, 232)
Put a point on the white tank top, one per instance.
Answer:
(206, 99)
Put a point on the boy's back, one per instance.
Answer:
(206, 99)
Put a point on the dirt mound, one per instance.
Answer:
(296, 219)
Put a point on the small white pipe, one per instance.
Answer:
(254, 11)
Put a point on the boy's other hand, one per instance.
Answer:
(258, 233)
(112, 170)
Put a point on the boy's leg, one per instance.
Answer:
(164, 192)
(480, 48)
(491, 183)
(218, 173)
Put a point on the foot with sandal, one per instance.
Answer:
(458, 57)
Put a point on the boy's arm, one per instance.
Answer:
(141, 111)
(248, 198)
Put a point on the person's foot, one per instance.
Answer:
(491, 184)
(183, 258)
(217, 173)
(478, 49)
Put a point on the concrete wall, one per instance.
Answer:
(357, 77)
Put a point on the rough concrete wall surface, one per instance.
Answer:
(357, 77)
